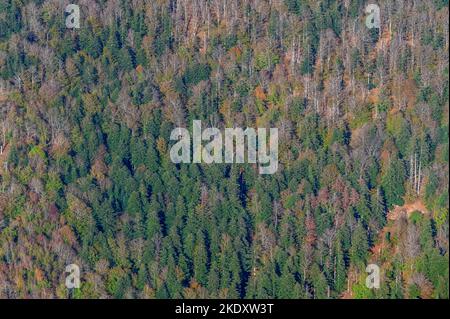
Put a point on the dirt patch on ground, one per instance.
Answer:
(407, 210)
(381, 245)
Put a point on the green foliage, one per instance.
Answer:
(360, 245)
(85, 173)
(196, 73)
(393, 183)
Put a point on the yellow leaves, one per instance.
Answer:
(91, 103)
(68, 236)
(195, 290)
(75, 204)
(202, 35)
(260, 94)
(179, 273)
(61, 291)
(236, 51)
(406, 90)
(387, 150)
(374, 96)
(60, 145)
(147, 43)
(441, 216)
(20, 284)
(223, 293)
(37, 151)
(328, 138)
(79, 213)
(3, 204)
(329, 175)
(140, 73)
(38, 275)
(194, 284)
(139, 69)
(167, 87)
(99, 169)
(260, 99)
(285, 154)
(148, 292)
(225, 110)
(96, 25)
(394, 123)
(114, 280)
(161, 145)
(263, 120)
(3, 95)
(25, 175)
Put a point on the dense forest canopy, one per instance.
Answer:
(86, 177)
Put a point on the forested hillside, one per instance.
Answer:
(86, 177)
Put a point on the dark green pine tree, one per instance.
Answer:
(288, 287)
(134, 204)
(321, 287)
(378, 207)
(151, 158)
(360, 245)
(265, 285)
(154, 226)
(339, 269)
(200, 261)
(363, 205)
(393, 181)
(173, 285)
(142, 277)
(138, 152)
(213, 280)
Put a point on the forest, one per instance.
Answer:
(86, 176)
